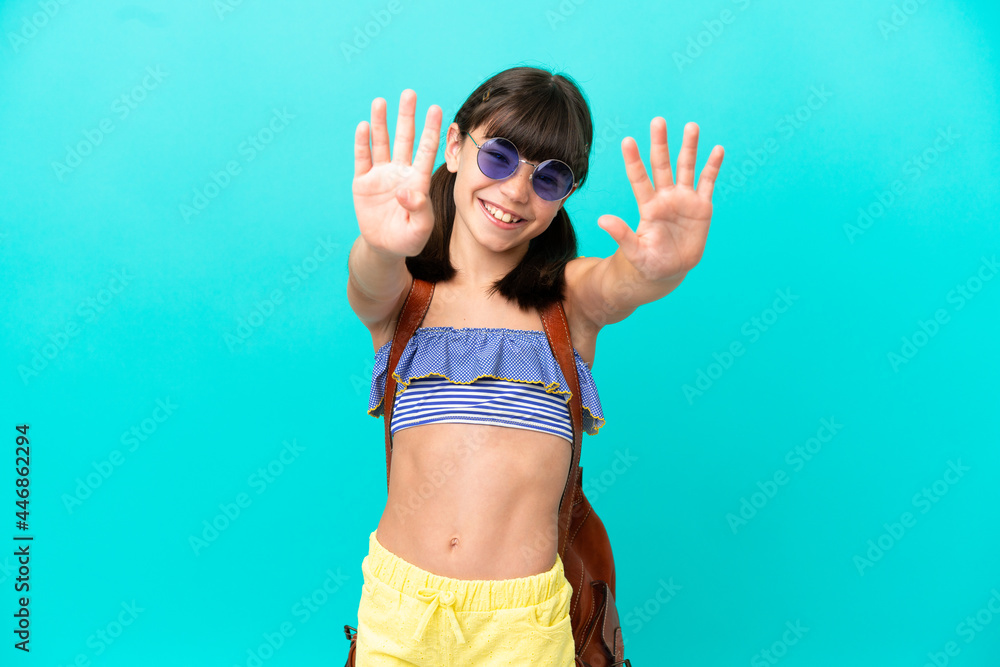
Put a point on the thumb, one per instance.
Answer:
(620, 232)
(411, 200)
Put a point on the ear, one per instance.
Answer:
(566, 199)
(452, 146)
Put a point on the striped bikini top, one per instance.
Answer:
(483, 375)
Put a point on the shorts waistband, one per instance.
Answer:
(470, 594)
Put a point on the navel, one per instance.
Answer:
(454, 542)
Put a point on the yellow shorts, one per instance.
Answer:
(409, 616)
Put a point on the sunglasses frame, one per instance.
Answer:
(530, 164)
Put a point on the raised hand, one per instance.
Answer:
(673, 218)
(391, 197)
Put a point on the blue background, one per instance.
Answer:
(823, 110)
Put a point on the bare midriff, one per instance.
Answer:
(474, 501)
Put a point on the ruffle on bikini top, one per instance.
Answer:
(463, 355)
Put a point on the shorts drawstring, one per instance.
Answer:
(446, 601)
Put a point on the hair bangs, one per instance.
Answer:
(542, 129)
(543, 114)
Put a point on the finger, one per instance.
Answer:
(620, 232)
(659, 154)
(636, 171)
(402, 150)
(380, 133)
(430, 139)
(362, 153)
(686, 158)
(706, 182)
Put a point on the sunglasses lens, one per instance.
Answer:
(497, 158)
(553, 179)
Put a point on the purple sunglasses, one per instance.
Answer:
(498, 159)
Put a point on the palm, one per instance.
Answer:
(382, 220)
(673, 217)
(395, 224)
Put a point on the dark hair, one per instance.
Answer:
(546, 116)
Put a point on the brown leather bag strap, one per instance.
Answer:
(414, 309)
(557, 331)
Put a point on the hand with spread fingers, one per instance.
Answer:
(673, 217)
(391, 197)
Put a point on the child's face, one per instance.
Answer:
(514, 194)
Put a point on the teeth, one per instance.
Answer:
(506, 217)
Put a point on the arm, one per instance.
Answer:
(375, 283)
(395, 216)
(608, 290)
(668, 242)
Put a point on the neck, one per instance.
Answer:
(477, 266)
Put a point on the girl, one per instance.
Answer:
(463, 566)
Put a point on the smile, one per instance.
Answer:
(499, 214)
